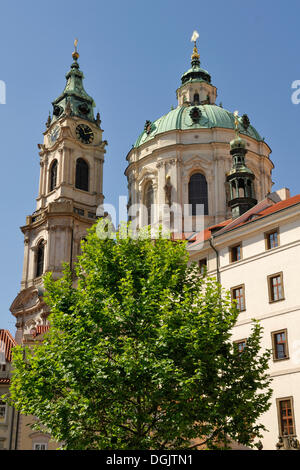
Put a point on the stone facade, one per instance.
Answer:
(70, 192)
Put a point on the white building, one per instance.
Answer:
(199, 153)
(257, 256)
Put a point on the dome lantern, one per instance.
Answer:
(240, 178)
(196, 82)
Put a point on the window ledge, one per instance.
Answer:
(275, 301)
(282, 359)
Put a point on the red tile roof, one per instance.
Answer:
(262, 209)
(4, 381)
(7, 342)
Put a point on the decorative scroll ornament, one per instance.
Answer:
(195, 115)
(245, 121)
(148, 127)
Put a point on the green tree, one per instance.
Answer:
(138, 355)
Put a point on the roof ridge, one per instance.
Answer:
(264, 204)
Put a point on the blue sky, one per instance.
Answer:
(133, 54)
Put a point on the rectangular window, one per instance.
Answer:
(40, 446)
(286, 416)
(280, 345)
(2, 411)
(78, 211)
(235, 253)
(238, 295)
(275, 286)
(203, 265)
(272, 239)
(241, 343)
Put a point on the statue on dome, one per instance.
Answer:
(168, 190)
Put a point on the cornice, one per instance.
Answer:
(196, 146)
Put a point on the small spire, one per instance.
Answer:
(195, 55)
(75, 54)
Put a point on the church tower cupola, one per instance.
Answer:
(240, 178)
(196, 87)
(70, 192)
(74, 100)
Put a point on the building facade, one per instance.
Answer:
(256, 256)
(187, 149)
(197, 154)
(200, 153)
(70, 191)
(9, 418)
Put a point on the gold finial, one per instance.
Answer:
(194, 38)
(75, 54)
(236, 122)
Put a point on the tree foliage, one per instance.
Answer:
(138, 355)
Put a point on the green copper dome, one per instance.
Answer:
(204, 116)
(74, 100)
(196, 74)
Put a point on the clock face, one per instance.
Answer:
(53, 136)
(84, 134)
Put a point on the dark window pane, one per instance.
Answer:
(272, 240)
(53, 175)
(203, 265)
(82, 175)
(198, 192)
(149, 200)
(241, 346)
(276, 288)
(287, 423)
(238, 295)
(236, 253)
(40, 259)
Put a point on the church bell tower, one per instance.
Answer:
(70, 190)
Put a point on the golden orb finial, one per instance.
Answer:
(194, 38)
(75, 54)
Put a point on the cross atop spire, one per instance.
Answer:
(195, 55)
(75, 54)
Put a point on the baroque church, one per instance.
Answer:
(197, 154)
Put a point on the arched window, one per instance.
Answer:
(40, 258)
(82, 175)
(249, 192)
(198, 192)
(53, 175)
(196, 98)
(241, 188)
(148, 201)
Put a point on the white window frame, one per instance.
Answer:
(3, 405)
(44, 444)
